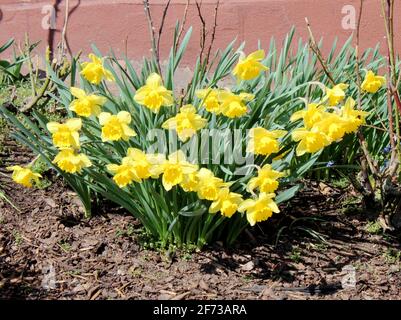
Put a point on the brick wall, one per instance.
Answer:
(121, 24)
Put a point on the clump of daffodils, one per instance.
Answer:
(323, 125)
(97, 120)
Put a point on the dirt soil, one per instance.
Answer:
(49, 251)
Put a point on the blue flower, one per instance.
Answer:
(387, 150)
(330, 164)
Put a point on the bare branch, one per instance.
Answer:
(184, 20)
(216, 8)
(161, 28)
(361, 137)
(64, 31)
(152, 34)
(203, 31)
(314, 47)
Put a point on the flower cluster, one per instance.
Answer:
(324, 122)
(176, 171)
(324, 125)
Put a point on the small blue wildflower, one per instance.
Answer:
(330, 164)
(387, 150)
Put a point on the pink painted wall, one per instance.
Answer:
(108, 23)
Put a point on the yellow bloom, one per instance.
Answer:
(313, 113)
(143, 163)
(353, 118)
(70, 161)
(266, 180)
(94, 71)
(232, 105)
(333, 126)
(372, 83)
(174, 169)
(86, 105)
(186, 122)
(311, 141)
(124, 174)
(210, 99)
(190, 182)
(24, 176)
(263, 141)
(250, 67)
(227, 203)
(259, 209)
(115, 127)
(208, 185)
(66, 134)
(136, 166)
(336, 94)
(153, 94)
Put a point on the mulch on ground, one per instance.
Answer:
(49, 251)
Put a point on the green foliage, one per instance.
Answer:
(373, 227)
(296, 254)
(179, 218)
(17, 238)
(392, 256)
(10, 71)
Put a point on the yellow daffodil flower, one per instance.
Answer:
(144, 163)
(24, 176)
(70, 161)
(190, 182)
(136, 166)
(66, 134)
(153, 94)
(372, 83)
(232, 105)
(311, 140)
(227, 203)
(210, 99)
(86, 105)
(353, 118)
(115, 127)
(313, 114)
(185, 123)
(124, 174)
(260, 209)
(209, 185)
(249, 67)
(333, 126)
(266, 180)
(174, 169)
(264, 142)
(336, 94)
(94, 71)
